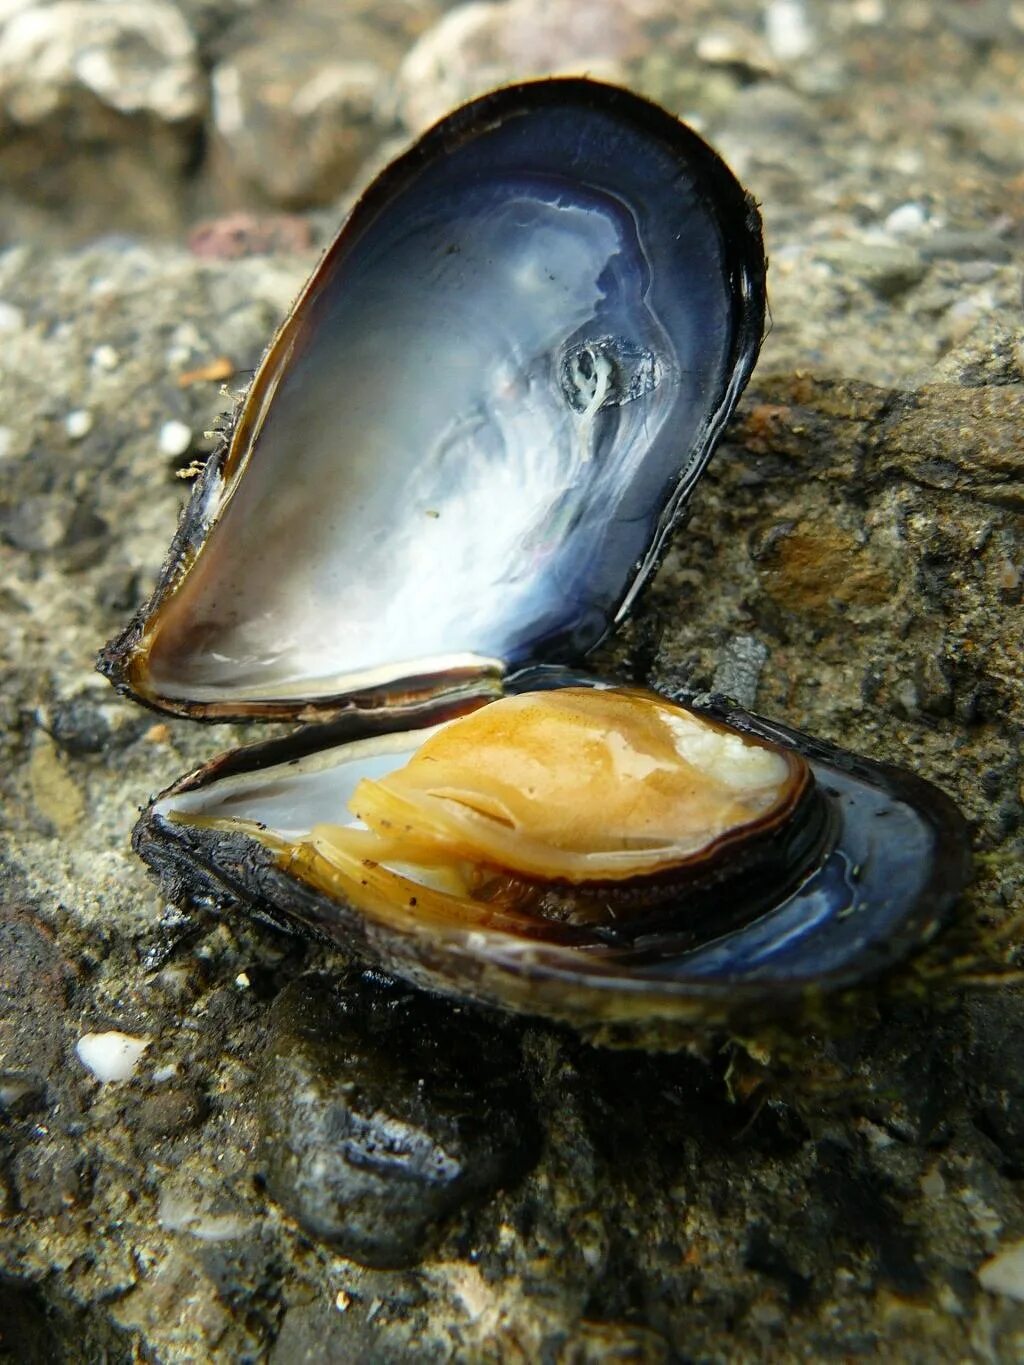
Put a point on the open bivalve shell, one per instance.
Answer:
(457, 464)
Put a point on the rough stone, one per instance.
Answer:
(739, 669)
(382, 1114)
(90, 723)
(172, 1110)
(1004, 1272)
(247, 234)
(832, 1195)
(996, 1059)
(36, 981)
(888, 268)
(47, 1177)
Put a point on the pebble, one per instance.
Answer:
(996, 1042)
(766, 121)
(475, 47)
(299, 105)
(933, 1185)
(171, 1110)
(47, 1176)
(950, 245)
(1003, 1273)
(20, 1092)
(78, 423)
(86, 724)
(235, 236)
(135, 56)
(106, 358)
(175, 438)
(56, 795)
(228, 117)
(887, 269)
(35, 981)
(180, 1212)
(6, 442)
(734, 45)
(868, 12)
(111, 1056)
(906, 220)
(12, 319)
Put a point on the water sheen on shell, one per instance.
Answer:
(458, 463)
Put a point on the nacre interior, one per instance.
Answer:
(460, 448)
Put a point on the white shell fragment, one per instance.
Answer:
(175, 438)
(78, 423)
(110, 1056)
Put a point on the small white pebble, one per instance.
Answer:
(175, 438)
(342, 1301)
(110, 1056)
(165, 1073)
(6, 441)
(906, 220)
(11, 319)
(715, 48)
(228, 109)
(242, 981)
(1003, 1273)
(948, 1301)
(105, 358)
(787, 30)
(78, 423)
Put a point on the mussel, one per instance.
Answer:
(455, 468)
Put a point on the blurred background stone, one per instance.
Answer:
(101, 106)
(301, 97)
(480, 45)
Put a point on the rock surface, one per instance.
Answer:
(854, 565)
